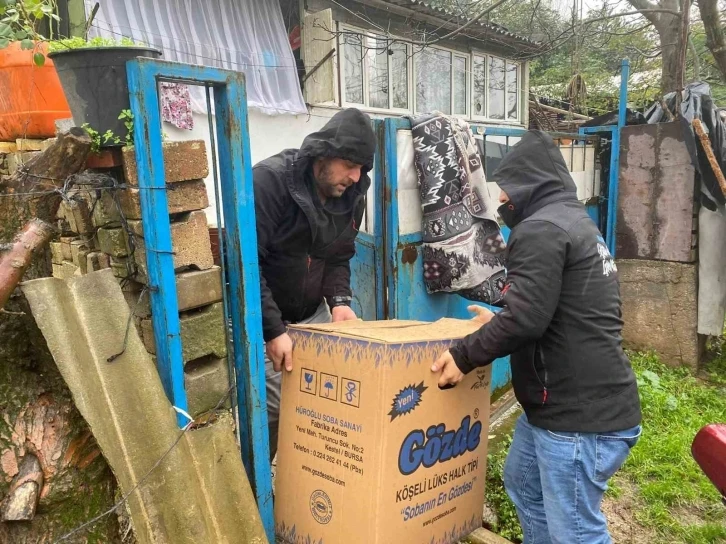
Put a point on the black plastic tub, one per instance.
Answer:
(96, 86)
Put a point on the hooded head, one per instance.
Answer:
(532, 174)
(341, 153)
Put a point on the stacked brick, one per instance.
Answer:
(104, 228)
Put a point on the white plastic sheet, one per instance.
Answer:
(243, 35)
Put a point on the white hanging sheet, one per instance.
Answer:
(242, 35)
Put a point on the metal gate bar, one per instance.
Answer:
(240, 240)
(614, 178)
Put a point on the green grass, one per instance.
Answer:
(507, 524)
(673, 497)
(678, 500)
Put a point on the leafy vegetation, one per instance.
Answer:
(20, 21)
(82, 43)
(109, 137)
(596, 51)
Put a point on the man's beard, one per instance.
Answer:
(326, 185)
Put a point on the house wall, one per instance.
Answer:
(270, 134)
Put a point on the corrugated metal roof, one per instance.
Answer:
(422, 6)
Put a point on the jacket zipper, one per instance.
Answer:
(544, 367)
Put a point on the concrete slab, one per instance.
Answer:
(198, 492)
(660, 309)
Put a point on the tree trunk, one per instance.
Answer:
(669, 31)
(715, 35)
(37, 414)
(669, 28)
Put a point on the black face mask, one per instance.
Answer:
(508, 213)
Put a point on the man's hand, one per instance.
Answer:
(483, 315)
(450, 373)
(343, 313)
(279, 351)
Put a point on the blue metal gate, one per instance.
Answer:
(367, 277)
(240, 275)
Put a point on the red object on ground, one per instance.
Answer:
(709, 451)
(31, 97)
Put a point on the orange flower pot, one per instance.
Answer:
(31, 97)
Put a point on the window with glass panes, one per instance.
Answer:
(375, 73)
(495, 88)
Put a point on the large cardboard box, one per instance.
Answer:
(370, 450)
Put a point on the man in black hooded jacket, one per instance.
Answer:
(561, 322)
(309, 203)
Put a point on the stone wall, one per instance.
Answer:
(38, 419)
(104, 229)
(660, 309)
(100, 226)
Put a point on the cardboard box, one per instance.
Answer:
(370, 450)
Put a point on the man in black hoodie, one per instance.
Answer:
(309, 203)
(561, 323)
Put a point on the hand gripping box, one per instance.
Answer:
(370, 450)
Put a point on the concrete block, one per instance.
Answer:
(202, 333)
(47, 143)
(66, 247)
(79, 254)
(190, 243)
(181, 197)
(113, 241)
(105, 210)
(183, 161)
(206, 381)
(56, 252)
(194, 289)
(17, 160)
(97, 260)
(123, 267)
(77, 214)
(29, 145)
(660, 309)
(66, 270)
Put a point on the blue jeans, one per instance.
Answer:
(557, 481)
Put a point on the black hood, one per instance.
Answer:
(348, 135)
(533, 174)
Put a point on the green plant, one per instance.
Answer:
(507, 524)
(677, 499)
(109, 136)
(82, 43)
(95, 137)
(20, 21)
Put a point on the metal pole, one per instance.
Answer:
(615, 159)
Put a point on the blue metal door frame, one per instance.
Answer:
(367, 266)
(240, 238)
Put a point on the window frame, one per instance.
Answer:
(366, 76)
(454, 53)
(411, 67)
(486, 117)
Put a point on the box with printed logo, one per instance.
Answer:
(370, 450)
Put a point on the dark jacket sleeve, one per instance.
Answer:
(336, 284)
(536, 260)
(269, 208)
